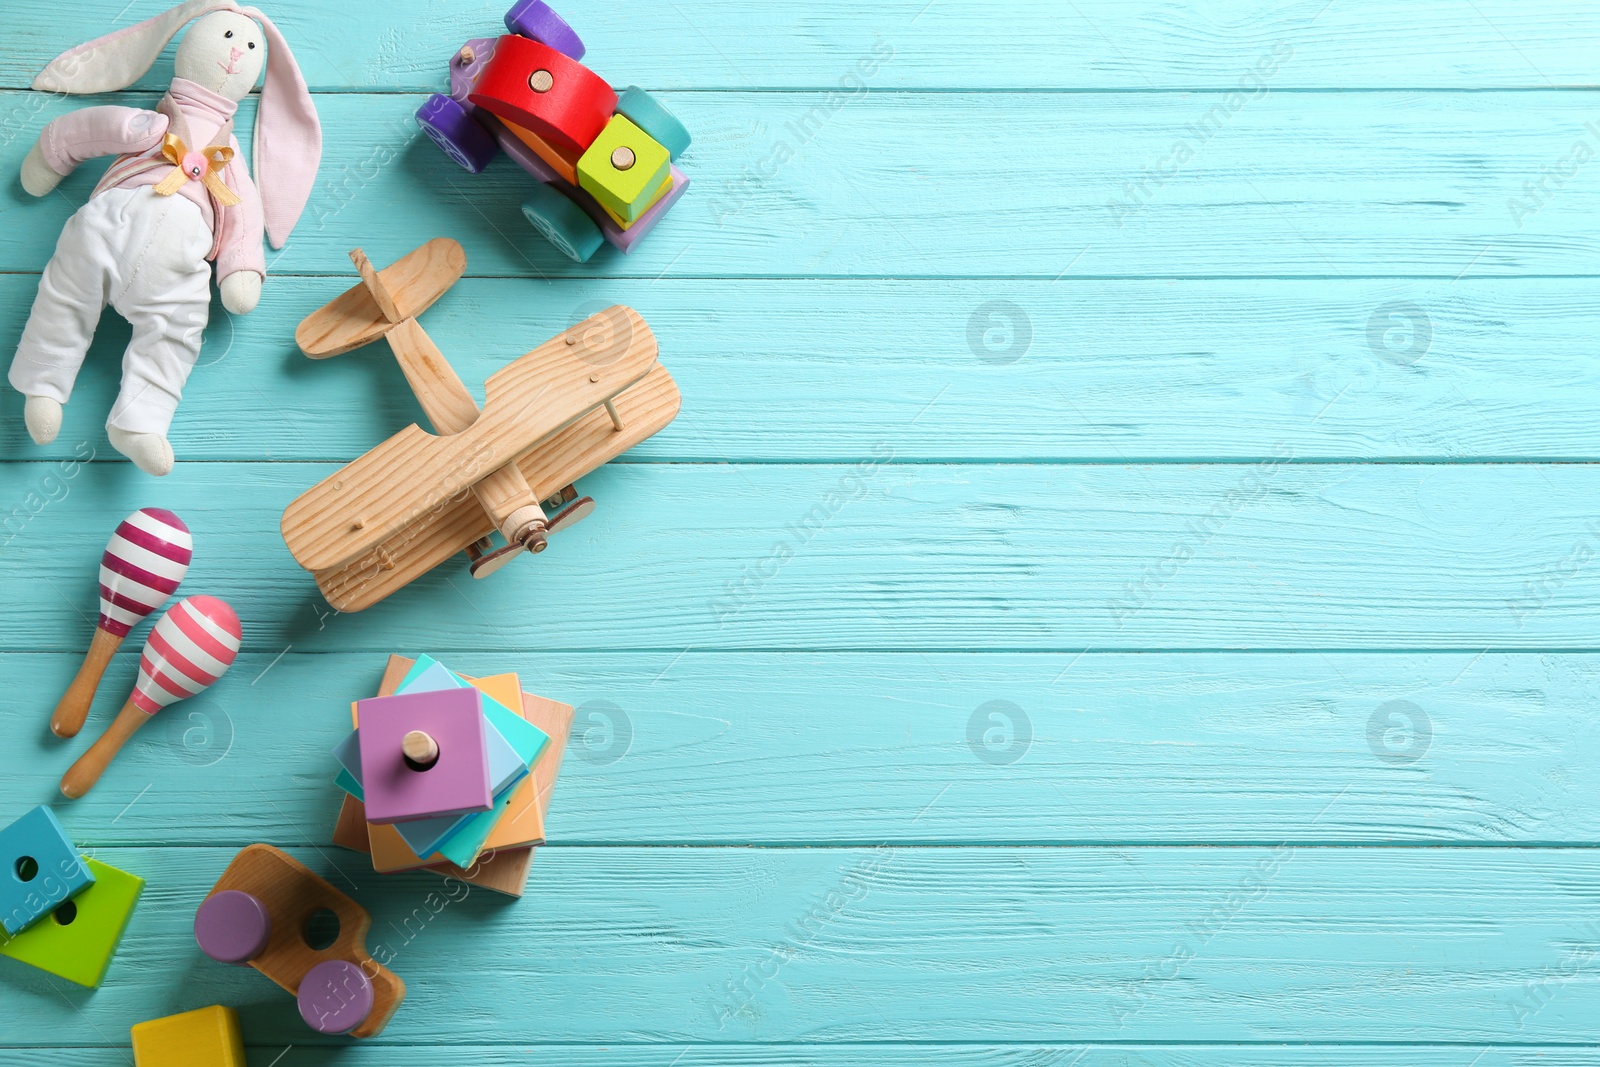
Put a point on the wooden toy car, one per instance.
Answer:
(257, 914)
(551, 416)
(606, 162)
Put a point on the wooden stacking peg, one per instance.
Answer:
(187, 650)
(146, 558)
(421, 750)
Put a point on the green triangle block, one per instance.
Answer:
(80, 948)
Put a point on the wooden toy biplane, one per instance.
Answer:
(551, 416)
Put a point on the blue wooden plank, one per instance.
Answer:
(810, 748)
(949, 370)
(896, 944)
(845, 1055)
(616, 1054)
(885, 556)
(940, 184)
(1136, 45)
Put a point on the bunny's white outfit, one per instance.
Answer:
(143, 253)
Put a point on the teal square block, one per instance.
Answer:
(39, 870)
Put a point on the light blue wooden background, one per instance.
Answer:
(1197, 491)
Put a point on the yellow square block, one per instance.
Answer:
(622, 223)
(623, 169)
(205, 1037)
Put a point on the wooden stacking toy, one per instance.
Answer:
(187, 650)
(604, 161)
(490, 849)
(63, 913)
(147, 557)
(551, 416)
(257, 914)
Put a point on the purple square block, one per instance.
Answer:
(457, 783)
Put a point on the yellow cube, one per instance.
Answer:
(205, 1037)
(623, 169)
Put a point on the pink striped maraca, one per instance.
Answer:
(188, 648)
(145, 560)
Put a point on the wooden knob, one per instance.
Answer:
(622, 157)
(420, 750)
(541, 81)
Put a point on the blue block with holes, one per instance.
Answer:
(39, 869)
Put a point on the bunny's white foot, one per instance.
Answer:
(43, 417)
(150, 452)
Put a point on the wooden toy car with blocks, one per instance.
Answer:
(605, 161)
(258, 913)
(550, 416)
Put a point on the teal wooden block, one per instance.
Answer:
(462, 844)
(39, 869)
(348, 782)
(348, 753)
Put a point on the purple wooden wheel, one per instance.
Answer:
(458, 134)
(534, 19)
(335, 997)
(232, 926)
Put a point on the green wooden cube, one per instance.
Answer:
(623, 168)
(79, 938)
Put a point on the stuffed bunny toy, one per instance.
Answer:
(178, 195)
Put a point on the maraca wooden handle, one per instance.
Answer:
(74, 707)
(81, 776)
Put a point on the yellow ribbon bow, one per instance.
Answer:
(202, 166)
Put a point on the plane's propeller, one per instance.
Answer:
(534, 539)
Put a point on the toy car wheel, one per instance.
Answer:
(563, 223)
(535, 20)
(335, 997)
(457, 133)
(646, 112)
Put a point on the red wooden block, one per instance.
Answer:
(538, 88)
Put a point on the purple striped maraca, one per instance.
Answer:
(188, 649)
(145, 560)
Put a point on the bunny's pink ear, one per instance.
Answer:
(116, 60)
(288, 140)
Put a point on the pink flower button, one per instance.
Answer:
(194, 164)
